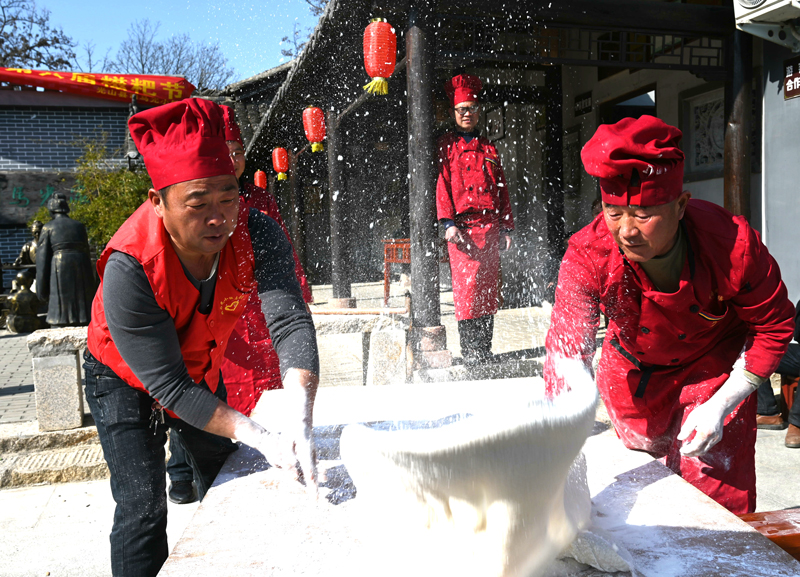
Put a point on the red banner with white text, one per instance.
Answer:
(148, 89)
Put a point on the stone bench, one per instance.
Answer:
(57, 363)
(383, 342)
(57, 377)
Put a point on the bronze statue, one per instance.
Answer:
(64, 272)
(27, 255)
(23, 305)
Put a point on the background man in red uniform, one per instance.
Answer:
(251, 364)
(474, 210)
(698, 316)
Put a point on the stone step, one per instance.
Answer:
(77, 463)
(26, 437)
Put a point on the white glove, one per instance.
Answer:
(273, 446)
(706, 420)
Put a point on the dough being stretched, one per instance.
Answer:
(494, 494)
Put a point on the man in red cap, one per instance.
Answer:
(175, 279)
(474, 210)
(251, 365)
(698, 316)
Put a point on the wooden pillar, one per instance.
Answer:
(296, 228)
(428, 338)
(340, 261)
(738, 113)
(554, 182)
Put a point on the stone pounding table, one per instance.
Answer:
(255, 521)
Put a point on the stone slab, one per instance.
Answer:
(256, 521)
(55, 342)
(59, 398)
(61, 466)
(338, 324)
(387, 357)
(26, 437)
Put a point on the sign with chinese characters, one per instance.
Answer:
(791, 81)
(148, 89)
(23, 193)
(583, 104)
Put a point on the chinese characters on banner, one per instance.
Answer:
(791, 81)
(148, 89)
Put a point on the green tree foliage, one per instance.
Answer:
(106, 193)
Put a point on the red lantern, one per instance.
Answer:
(380, 53)
(260, 179)
(314, 125)
(280, 162)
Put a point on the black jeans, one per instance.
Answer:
(790, 366)
(134, 451)
(178, 467)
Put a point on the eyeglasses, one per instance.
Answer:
(236, 154)
(462, 110)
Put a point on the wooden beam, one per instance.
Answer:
(691, 19)
(554, 149)
(738, 100)
(340, 262)
(425, 306)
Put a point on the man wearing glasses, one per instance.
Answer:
(474, 210)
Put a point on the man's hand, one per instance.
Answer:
(301, 388)
(707, 420)
(452, 234)
(290, 447)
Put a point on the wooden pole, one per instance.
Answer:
(554, 182)
(428, 338)
(340, 262)
(296, 227)
(422, 167)
(738, 100)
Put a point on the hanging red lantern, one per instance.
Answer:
(280, 162)
(260, 179)
(314, 125)
(380, 53)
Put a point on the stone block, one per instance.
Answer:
(57, 342)
(387, 357)
(59, 399)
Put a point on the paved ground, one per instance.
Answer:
(17, 403)
(62, 530)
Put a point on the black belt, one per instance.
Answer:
(646, 370)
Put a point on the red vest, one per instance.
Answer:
(203, 338)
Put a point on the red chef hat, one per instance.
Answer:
(463, 88)
(637, 161)
(181, 141)
(232, 131)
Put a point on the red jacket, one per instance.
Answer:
(261, 199)
(729, 284)
(251, 364)
(203, 338)
(665, 354)
(471, 180)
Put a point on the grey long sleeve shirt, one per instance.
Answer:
(147, 340)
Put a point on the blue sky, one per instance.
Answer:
(249, 32)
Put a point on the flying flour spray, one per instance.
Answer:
(497, 493)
